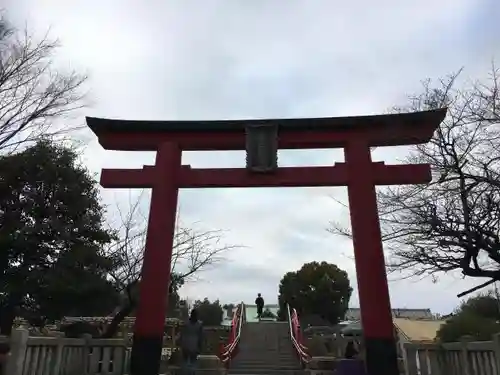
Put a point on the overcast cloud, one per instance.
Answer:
(211, 59)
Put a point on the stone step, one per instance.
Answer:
(250, 357)
(266, 333)
(264, 360)
(275, 347)
(265, 371)
(261, 361)
(265, 339)
(260, 349)
(270, 342)
(199, 371)
(243, 354)
(263, 364)
(267, 353)
(239, 359)
(246, 341)
(273, 351)
(265, 349)
(259, 353)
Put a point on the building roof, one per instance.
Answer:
(418, 330)
(403, 309)
(410, 329)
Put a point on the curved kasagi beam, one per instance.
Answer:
(326, 132)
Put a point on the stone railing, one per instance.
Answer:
(86, 356)
(459, 358)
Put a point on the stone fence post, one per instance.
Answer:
(18, 345)
(410, 358)
(496, 350)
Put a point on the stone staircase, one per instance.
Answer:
(265, 348)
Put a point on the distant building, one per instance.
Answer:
(354, 313)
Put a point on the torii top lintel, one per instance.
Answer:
(327, 132)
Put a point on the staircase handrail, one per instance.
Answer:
(236, 324)
(294, 327)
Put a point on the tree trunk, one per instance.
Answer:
(112, 328)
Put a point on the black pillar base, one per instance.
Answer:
(146, 355)
(381, 356)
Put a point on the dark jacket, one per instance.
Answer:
(350, 350)
(191, 339)
(4, 354)
(259, 301)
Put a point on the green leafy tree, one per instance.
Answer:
(478, 318)
(210, 313)
(485, 305)
(51, 237)
(316, 289)
(477, 327)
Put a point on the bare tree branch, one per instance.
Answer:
(33, 94)
(194, 251)
(453, 223)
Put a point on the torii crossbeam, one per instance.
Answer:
(262, 139)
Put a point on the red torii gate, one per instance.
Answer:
(262, 139)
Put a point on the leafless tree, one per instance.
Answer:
(194, 251)
(453, 223)
(33, 94)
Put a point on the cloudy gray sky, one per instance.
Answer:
(216, 59)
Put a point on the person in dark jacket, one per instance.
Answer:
(350, 351)
(4, 356)
(259, 301)
(191, 341)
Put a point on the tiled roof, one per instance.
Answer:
(418, 330)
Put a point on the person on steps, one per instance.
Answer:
(350, 351)
(4, 357)
(259, 301)
(191, 341)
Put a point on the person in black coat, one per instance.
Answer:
(4, 355)
(259, 301)
(350, 351)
